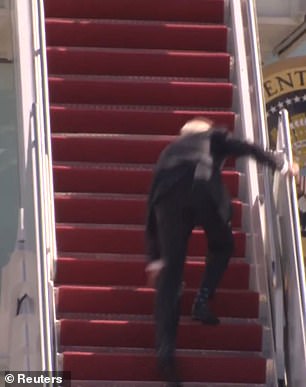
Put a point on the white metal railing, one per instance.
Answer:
(45, 194)
(27, 310)
(273, 268)
(285, 126)
(290, 364)
(292, 262)
(46, 132)
(285, 145)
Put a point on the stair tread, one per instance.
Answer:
(117, 137)
(157, 110)
(163, 79)
(91, 165)
(127, 166)
(145, 289)
(145, 51)
(148, 352)
(143, 80)
(192, 261)
(132, 227)
(185, 323)
(112, 196)
(181, 352)
(148, 318)
(146, 110)
(123, 227)
(118, 383)
(132, 257)
(132, 22)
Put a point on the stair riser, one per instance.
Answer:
(130, 92)
(112, 211)
(108, 273)
(126, 63)
(209, 11)
(136, 367)
(91, 33)
(190, 336)
(90, 120)
(132, 241)
(108, 300)
(111, 149)
(116, 180)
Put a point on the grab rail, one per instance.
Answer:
(291, 261)
(284, 125)
(273, 266)
(276, 227)
(46, 222)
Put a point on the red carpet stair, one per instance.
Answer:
(124, 75)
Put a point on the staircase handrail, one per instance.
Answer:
(272, 243)
(45, 191)
(278, 295)
(284, 126)
(291, 261)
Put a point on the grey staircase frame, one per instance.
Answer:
(291, 263)
(47, 238)
(36, 180)
(275, 238)
(252, 125)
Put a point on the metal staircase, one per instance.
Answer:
(114, 80)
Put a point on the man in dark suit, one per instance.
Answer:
(187, 191)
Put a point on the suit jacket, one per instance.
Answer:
(199, 158)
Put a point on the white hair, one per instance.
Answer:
(196, 125)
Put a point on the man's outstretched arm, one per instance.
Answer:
(276, 161)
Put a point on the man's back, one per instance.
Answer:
(187, 157)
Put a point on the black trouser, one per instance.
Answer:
(303, 220)
(176, 215)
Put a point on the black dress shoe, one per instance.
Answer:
(174, 384)
(201, 311)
